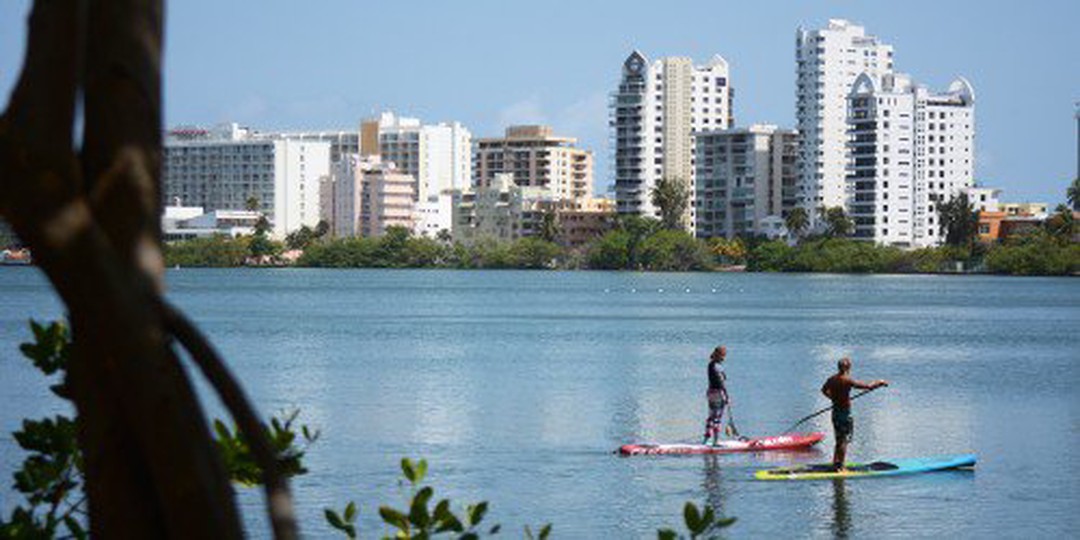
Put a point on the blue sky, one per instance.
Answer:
(487, 63)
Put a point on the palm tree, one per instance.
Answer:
(958, 220)
(797, 221)
(837, 223)
(1062, 224)
(252, 204)
(1073, 193)
(671, 196)
(549, 226)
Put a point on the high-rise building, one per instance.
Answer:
(535, 157)
(438, 157)
(224, 168)
(743, 176)
(828, 62)
(654, 112)
(909, 150)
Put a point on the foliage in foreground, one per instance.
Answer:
(51, 477)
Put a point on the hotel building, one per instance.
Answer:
(222, 168)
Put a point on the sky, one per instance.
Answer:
(321, 64)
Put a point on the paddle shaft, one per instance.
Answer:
(827, 409)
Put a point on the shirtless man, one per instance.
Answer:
(838, 389)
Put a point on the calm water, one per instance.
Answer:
(517, 386)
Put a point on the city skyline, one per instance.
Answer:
(479, 64)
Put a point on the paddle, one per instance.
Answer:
(827, 409)
(731, 429)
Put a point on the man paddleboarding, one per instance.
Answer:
(838, 389)
(716, 395)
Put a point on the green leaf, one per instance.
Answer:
(666, 534)
(421, 470)
(408, 470)
(75, 528)
(394, 518)
(692, 518)
(418, 512)
(545, 532)
(333, 519)
(223, 432)
(495, 529)
(476, 513)
(350, 512)
(442, 509)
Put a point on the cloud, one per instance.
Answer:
(525, 111)
(249, 110)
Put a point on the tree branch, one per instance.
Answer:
(43, 103)
(278, 498)
(38, 170)
(122, 148)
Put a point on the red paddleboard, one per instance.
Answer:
(789, 441)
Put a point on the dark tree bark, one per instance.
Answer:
(92, 222)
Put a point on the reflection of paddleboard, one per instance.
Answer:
(890, 467)
(790, 441)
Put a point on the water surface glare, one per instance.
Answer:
(517, 386)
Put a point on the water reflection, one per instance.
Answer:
(841, 515)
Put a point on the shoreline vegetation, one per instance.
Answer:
(637, 245)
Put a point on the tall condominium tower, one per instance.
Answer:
(439, 156)
(654, 112)
(536, 158)
(909, 150)
(828, 62)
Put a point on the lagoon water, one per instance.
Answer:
(517, 386)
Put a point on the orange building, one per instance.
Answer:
(997, 226)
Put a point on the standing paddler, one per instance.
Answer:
(717, 396)
(838, 389)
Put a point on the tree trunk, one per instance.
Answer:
(92, 223)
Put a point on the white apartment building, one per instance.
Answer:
(436, 214)
(535, 157)
(828, 61)
(222, 168)
(439, 156)
(909, 150)
(743, 177)
(654, 112)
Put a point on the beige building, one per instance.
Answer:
(535, 158)
(504, 210)
(500, 210)
(582, 220)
